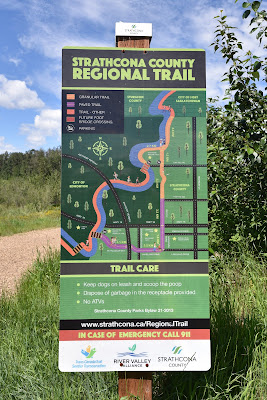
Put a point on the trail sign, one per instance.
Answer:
(134, 261)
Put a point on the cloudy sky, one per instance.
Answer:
(34, 32)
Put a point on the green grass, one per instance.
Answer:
(16, 220)
(29, 341)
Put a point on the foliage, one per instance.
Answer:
(237, 140)
(29, 340)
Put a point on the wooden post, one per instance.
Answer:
(135, 383)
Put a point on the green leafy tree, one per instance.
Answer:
(105, 196)
(130, 111)
(200, 111)
(150, 207)
(172, 217)
(69, 165)
(179, 151)
(139, 110)
(76, 204)
(110, 162)
(186, 148)
(200, 135)
(111, 214)
(139, 213)
(189, 215)
(80, 139)
(188, 126)
(237, 139)
(124, 141)
(101, 248)
(187, 171)
(138, 126)
(82, 169)
(184, 110)
(86, 206)
(71, 144)
(69, 224)
(120, 166)
(69, 199)
(181, 211)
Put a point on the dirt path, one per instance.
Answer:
(17, 253)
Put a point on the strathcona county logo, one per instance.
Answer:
(177, 350)
(89, 352)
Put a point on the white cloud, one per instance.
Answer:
(46, 124)
(5, 147)
(15, 61)
(15, 94)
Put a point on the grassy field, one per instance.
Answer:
(29, 341)
(16, 220)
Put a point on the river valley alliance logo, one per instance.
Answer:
(131, 353)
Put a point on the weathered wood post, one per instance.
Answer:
(135, 383)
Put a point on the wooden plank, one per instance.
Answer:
(135, 383)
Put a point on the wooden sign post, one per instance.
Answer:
(135, 383)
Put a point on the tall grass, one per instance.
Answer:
(29, 341)
(28, 203)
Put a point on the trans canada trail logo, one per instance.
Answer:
(89, 352)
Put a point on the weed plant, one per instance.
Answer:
(29, 340)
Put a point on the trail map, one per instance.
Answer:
(134, 211)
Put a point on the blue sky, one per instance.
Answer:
(33, 33)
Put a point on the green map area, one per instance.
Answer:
(139, 193)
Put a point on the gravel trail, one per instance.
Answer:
(18, 252)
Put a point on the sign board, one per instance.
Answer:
(134, 289)
(133, 29)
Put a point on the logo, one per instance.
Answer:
(177, 350)
(70, 128)
(133, 26)
(89, 352)
(132, 353)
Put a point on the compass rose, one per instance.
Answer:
(100, 148)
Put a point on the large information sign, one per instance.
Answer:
(134, 289)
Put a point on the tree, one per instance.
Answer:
(186, 148)
(189, 215)
(130, 111)
(138, 126)
(150, 207)
(139, 110)
(105, 196)
(181, 211)
(200, 111)
(111, 214)
(82, 169)
(80, 139)
(124, 141)
(188, 126)
(101, 248)
(120, 166)
(69, 199)
(237, 139)
(179, 151)
(157, 183)
(69, 224)
(69, 165)
(86, 206)
(76, 204)
(172, 217)
(110, 162)
(139, 213)
(187, 171)
(200, 135)
(71, 145)
(184, 110)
